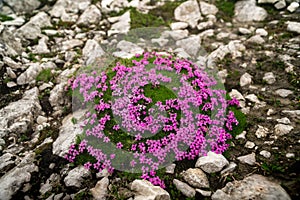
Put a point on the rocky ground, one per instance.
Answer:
(254, 45)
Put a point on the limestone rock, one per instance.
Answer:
(91, 15)
(293, 27)
(282, 129)
(212, 162)
(144, 190)
(196, 178)
(247, 159)
(184, 188)
(76, 176)
(245, 79)
(252, 187)
(208, 9)
(261, 131)
(188, 12)
(122, 25)
(91, 51)
(191, 45)
(293, 7)
(283, 92)
(99, 192)
(269, 77)
(23, 6)
(247, 11)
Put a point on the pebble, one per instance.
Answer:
(261, 131)
(293, 7)
(290, 155)
(284, 120)
(250, 145)
(261, 32)
(212, 162)
(265, 154)
(282, 129)
(171, 169)
(184, 188)
(269, 77)
(245, 79)
(247, 159)
(280, 4)
(283, 92)
(230, 168)
(241, 136)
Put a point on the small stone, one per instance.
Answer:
(103, 173)
(212, 162)
(11, 84)
(293, 27)
(41, 119)
(292, 113)
(265, 154)
(257, 39)
(244, 31)
(91, 15)
(282, 129)
(247, 159)
(91, 51)
(188, 12)
(204, 192)
(248, 11)
(280, 4)
(293, 7)
(241, 136)
(269, 77)
(70, 44)
(184, 188)
(196, 178)
(76, 176)
(179, 25)
(261, 32)
(245, 79)
(284, 120)
(230, 168)
(261, 132)
(250, 145)
(283, 92)
(236, 94)
(100, 191)
(171, 169)
(253, 98)
(270, 112)
(208, 9)
(290, 155)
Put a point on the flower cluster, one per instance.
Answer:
(132, 124)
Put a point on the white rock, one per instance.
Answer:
(205, 25)
(6, 162)
(223, 75)
(10, 73)
(178, 25)
(265, 153)
(293, 7)
(257, 39)
(230, 168)
(41, 47)
(196, 178)
(269, 77)
(70, 44)
(236, 94)
(267, 1)
(128, 49)
(91, 15)
(208, 9)
(283, 92)
(253, 98)
(11, 84)
(23, 6)
(270, 112)
(103, 173)
(57, 95)
(284, 120)
(282, 129)
(14, 179)
(144, 190)
(204, 192)
(41, 119)
(293, 27)
(247, 159)
(290, 155)
(76, 176)
(244, 31)
(176, 34)
(245, 79)
(241, 135)
(184, 188)
(14, 119)
(251, 187)
(11, 63)
(67, 134)
(280, 4)
(212, 162)
(51, 182)
(100, 191)
(122, 25)
(250, 145)
(292, 113)
(261, 132)
(247, 11)
(188, 12)
(171, 169)
(261, 32)
(91, 51)
(191, 45)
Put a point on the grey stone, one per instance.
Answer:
(241, 135)
(230, 168)
(252, 187)
(52, 181)
(62, 7)
(67, 133)
(41, 47)
(70, 44)
(244, 31)
(23, 6)
(14, 119)
(247, 159)
(191, 45)
(12, 44)
(247, 11)
(290, 155)
(253, 98)
(175, 34)
(261, 32)
(205, 25)
(293, 27)
(14, 179)
(100, 191)
(265, 154)
(269, 77)
(282, 129)
(283, 92)
(212, 162)
(178, 25)
(91, 51)
(284, 120)
(261, 131)
(188, 12)
(292, 113)
(204, 192)
(250, 145)
(122, 25)
(256, 39)
(280, 4)
(128, 49)
(184, 188)
(171, 169)
(76, 176)
(293, 7)
(266, 1)
(208, 9)
(91, 15)
(144, 190)
(245, 79)
(11, 63)
(195, 177)
(6, 162)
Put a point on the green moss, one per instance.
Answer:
(4, 18)
(226, 9)
(45, 75)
